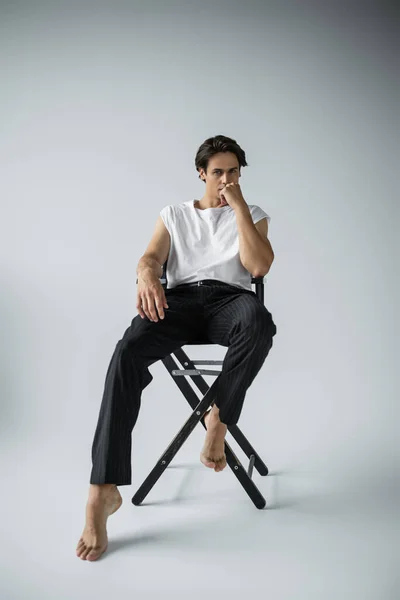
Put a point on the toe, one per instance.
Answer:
(220, 465)
(85, 552)
(95, 553)
(80, 549)
(207, 461)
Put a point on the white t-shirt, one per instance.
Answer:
(205, 244)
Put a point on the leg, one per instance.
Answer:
(240, 321)
(243, 324)
(143, 343)
(213, 452)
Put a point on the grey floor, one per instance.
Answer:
(328, 532)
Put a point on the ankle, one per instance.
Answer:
(214, 415)
(103, 488)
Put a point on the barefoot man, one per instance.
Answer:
(214, 246)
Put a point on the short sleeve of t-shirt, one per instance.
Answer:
(258, 213)
(165, 214)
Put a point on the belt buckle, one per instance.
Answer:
(199, 283)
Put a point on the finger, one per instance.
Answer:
(160, 308)
(139, 308)
(145, 308)
(152, 310)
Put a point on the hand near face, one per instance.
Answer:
(232, 194)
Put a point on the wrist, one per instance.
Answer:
(242, 209)
(147, 275)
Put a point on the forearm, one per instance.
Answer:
(256, 253)
(148, 269)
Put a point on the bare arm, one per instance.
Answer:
(150, 293)
(255, 250)
(148, 269)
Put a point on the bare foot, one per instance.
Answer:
(103, 501)
(213, 453)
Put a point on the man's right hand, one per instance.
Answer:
(151, 296)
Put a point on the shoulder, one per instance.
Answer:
(173, 211)
(182, 206)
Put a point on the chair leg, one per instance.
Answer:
(248, 449)
(192, 399)
(243, 477)
(174, 446)
(232, 460)
(200, 408)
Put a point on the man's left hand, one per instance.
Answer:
(232, 194)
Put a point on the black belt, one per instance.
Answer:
(204, 282)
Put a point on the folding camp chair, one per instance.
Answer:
(199, 410)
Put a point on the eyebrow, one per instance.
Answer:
(219, 169)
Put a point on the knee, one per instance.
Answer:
(260, 324)
(134, 337)
(130, 355)
(129, 348)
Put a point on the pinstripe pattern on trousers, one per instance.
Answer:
(212, 313)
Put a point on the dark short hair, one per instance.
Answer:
(214, 145)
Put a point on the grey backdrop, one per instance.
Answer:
(103, 107)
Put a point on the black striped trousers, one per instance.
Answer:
(213, 313)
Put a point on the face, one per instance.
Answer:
(222, 168)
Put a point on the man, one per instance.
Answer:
(213, 246)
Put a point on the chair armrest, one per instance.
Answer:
(163, 281)
(259, 283)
